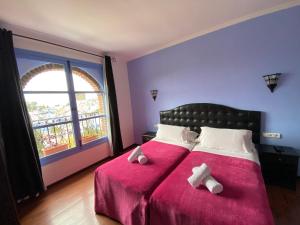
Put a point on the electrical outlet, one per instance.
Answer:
(271, 135)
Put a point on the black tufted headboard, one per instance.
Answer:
(197, 115)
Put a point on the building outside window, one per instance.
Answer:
(65, 101)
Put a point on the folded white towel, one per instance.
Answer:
(199, 174)
(134, 154)
(212, 185)
(142, 159)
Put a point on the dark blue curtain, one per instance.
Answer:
(19, 148)
(116, 138)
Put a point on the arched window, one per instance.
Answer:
(66, 110)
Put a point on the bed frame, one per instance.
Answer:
(196, 115)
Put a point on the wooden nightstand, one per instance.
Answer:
(148, 136)
(279, 165)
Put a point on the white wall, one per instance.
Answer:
(54, 50)
(62, 168)
(124, 101)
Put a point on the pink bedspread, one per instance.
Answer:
(123, 189)
(243, 200)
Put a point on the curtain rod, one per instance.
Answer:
(62, 46)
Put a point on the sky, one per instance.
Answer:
(54, 81)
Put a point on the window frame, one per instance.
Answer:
(101, 91)
(68, 63)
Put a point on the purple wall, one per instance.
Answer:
(226, 67)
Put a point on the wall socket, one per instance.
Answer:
(271, 135)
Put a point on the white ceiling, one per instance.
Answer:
(128, 28)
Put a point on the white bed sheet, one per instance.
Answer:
(179, 143)
(252, 156)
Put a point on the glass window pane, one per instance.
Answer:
(89, 104)
(51, 139)
(51, 121)
(85, 80)
(48, 108)
(92, 129)
(47, 77)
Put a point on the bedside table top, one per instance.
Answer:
(150, 133)
(274, 149)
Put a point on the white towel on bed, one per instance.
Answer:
(212, 185)
(199, 173)
(142, 159)
(138, 155)
(199, 168)
(209, 181)
(134, 154)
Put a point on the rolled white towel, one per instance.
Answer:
(198, 168)
(203, 168)
(199, 174)
(212, 185)
(134, 154)
(142, 159)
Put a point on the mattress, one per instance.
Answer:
(123, 189)
(243, 200)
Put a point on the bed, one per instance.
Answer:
(123, 189)
(243, 200)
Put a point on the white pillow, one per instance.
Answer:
(170, 132)
(189, 136)
(232, 140)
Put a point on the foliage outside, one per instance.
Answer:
(53, 126)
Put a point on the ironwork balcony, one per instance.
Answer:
(57, 134)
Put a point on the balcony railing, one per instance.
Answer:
(57, 134)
